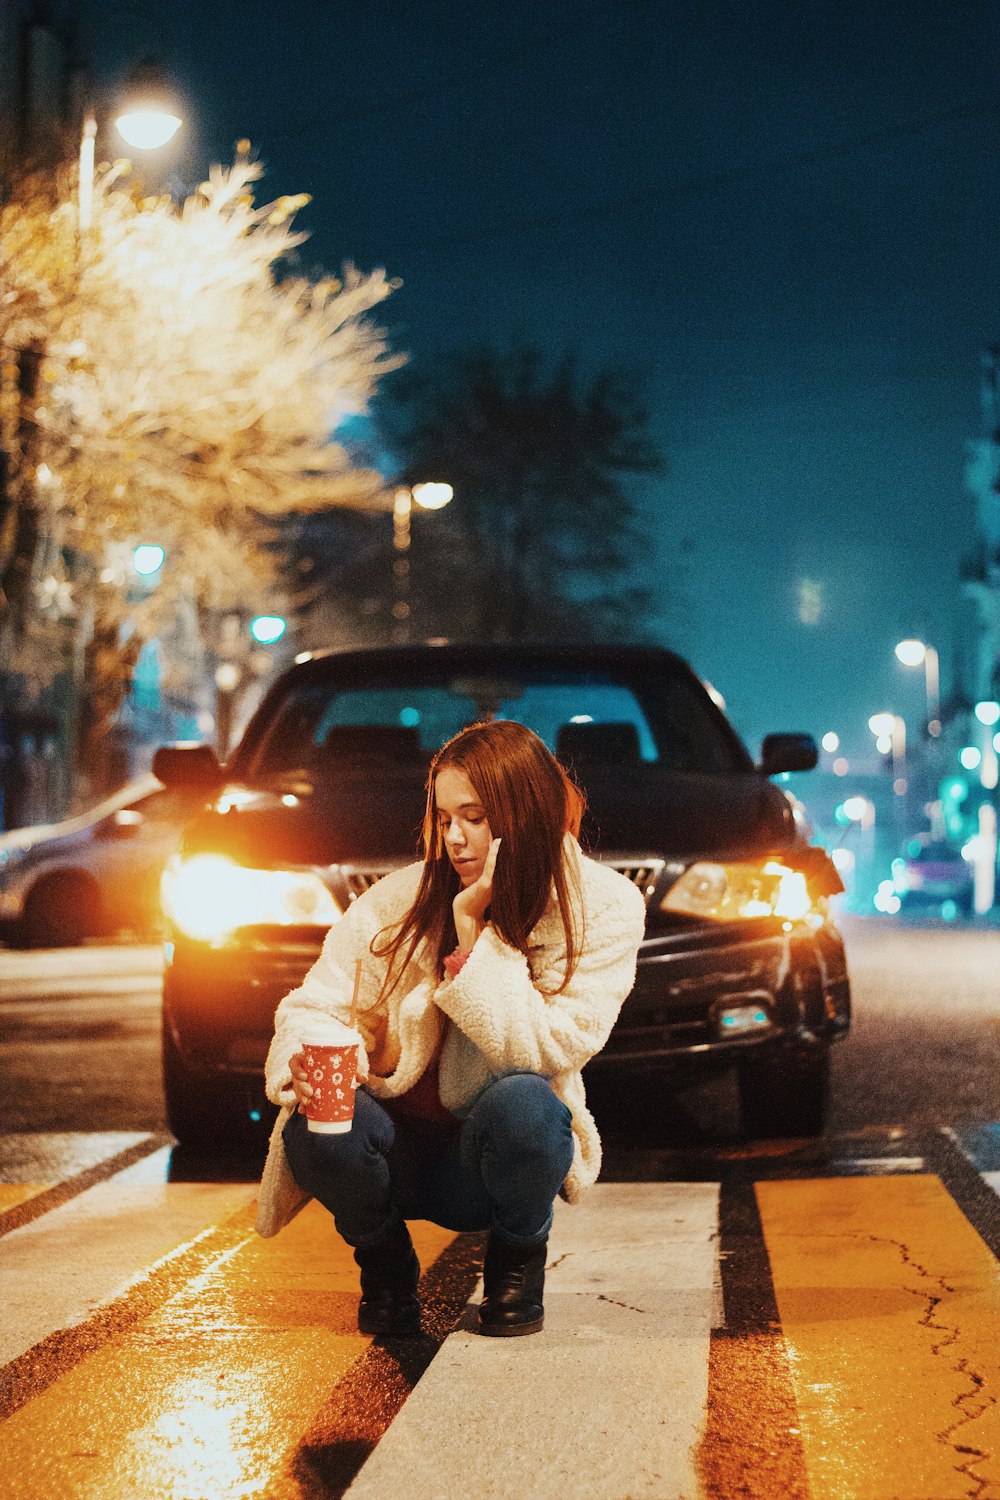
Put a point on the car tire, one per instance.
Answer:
(61, 910)
(785, 1093)
(205, 1112)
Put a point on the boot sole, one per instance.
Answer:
(394, 1330)
(510, 1330)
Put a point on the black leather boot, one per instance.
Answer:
(513, 1284)
(389, 1275)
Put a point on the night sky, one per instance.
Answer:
(782, 217)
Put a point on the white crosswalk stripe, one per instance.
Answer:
(610, 1400)
(59, 1269)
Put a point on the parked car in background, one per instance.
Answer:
(931, 874)
(742, 964)
(95, 874)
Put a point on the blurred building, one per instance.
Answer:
(981, 573)
(40, 80)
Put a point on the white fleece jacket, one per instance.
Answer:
(501, 1018)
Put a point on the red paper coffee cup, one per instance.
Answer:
(331, 1063)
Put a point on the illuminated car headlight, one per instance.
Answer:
(727, 893)
(209, 896)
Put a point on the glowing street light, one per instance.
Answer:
(146, 129)
(432, 496)
(914, 653)
(911, 653)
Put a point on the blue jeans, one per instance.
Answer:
(501, 1170)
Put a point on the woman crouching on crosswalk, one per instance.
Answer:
(492, 971)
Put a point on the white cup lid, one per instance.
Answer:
(331, 1033)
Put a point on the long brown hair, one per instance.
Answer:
(531, 804)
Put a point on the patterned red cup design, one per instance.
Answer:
(332, 1069)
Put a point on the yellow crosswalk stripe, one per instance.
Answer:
(890, 1306)
(209, 1396)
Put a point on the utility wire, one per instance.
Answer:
(696, 186)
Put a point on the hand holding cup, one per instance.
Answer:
(324, 1076)
(300, 1079)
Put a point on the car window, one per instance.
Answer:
(589, 718)
(935, 853)
(548, 709)
(434, 712)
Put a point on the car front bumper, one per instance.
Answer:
(219, 1002)
(713, 994)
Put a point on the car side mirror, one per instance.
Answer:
(185, 765)
(788, 752)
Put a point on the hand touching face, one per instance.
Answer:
(471, 847)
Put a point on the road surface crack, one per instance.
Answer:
(601, 1297)
(971, 1403)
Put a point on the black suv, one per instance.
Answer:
(741, 963)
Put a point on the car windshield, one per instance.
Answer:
(588, 718)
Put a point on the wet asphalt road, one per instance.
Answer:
(79, 1045)
(824, 1313)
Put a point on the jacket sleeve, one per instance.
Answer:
(328, 987)
(494, 1000)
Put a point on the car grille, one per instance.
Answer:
(642, 873)
(361, 878)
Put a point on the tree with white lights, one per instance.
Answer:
(164, 376)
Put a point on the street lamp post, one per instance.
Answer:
(914, 653)
(147, 119)
(429, 496)
(890, 737)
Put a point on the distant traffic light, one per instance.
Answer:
(956, 808)
(266, 629)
